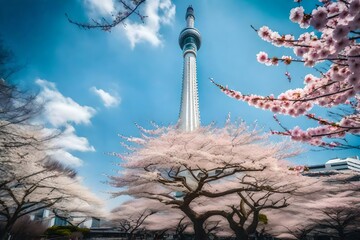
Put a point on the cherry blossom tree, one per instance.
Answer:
(331, 210)
(125, 9)
(42, 190)
(245, 217)
(130, 216)
(300, 233)
(8, 64)
(333, 45)
(207, 172)
(16, 105)
(30, 181)
(337, 215)
(180, 229)
(132, 225)
(144, 215)
(25, 228)
(341, 222)
(17, 108)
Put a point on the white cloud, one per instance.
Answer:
(106, 98)
(66, 142)
(65, 157)
(70, 141)
(157, 12)
(100, 6)
(60, 110)
(169, 11)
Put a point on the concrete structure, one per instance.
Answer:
(190, 42)
(350, 163)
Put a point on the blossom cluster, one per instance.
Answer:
(314, 136)
(336, 40)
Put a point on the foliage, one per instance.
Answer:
(263, 218)
(65, 231)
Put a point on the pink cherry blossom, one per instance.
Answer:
(336, 43)
(265, 33)
(340, 32)
(354, 7)
(262, 57)
(318, 23)
(297, 14)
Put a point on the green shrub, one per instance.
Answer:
(263, 218)
(65, 231)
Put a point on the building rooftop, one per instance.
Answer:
(338, 164)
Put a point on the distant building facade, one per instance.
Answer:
(48, 218)
(339, 164)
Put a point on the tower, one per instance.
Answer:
(189, 41)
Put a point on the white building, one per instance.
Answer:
(350, 163)
(48, 218)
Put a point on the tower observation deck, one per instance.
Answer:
(190, 42)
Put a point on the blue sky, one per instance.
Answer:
(137, 70)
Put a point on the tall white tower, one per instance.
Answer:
(190, 41)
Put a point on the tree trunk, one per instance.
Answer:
(198, 224)
(239, 231)
(241, 234)
(131, 236)
(342, 236)
(199, 230)
(254, 224)
(5, 235)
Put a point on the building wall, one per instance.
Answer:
(350, 163)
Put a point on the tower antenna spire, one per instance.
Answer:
(190, 42)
